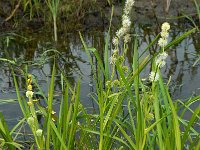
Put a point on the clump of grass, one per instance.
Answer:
(55, 131)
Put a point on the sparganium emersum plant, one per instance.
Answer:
(130, 113)
(162, 56)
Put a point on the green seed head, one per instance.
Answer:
(125, 68)
(150, 116)
(30, 121)
(121, 59)
(108, 83)
(116, 83)
(39, 132)
(29, 87)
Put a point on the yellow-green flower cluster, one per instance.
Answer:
(125, 69)
(116, 83)
(29, 92)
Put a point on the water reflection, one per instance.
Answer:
(30, 49)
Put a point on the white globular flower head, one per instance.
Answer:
(162, 42)
(160, 63)
(29, 94)
(164, 34)
(160, 59)
(163, 55)
(153, 77)
(165, 26)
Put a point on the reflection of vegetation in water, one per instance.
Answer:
(37, 54)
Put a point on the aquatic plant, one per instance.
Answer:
(152, 119)
(132, 113)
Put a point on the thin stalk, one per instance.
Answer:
(50, 102)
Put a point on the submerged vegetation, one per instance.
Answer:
(133, 111)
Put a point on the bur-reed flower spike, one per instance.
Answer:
(162, 42)
(126, 21)
(123, 32)
(165, 26)
(128, 6)
(164, 34)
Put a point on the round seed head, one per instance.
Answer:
(30, 121)
(39, 132)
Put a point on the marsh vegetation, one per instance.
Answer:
(89, 74)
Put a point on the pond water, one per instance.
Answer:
(28, 47)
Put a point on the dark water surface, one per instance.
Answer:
(29, 48)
